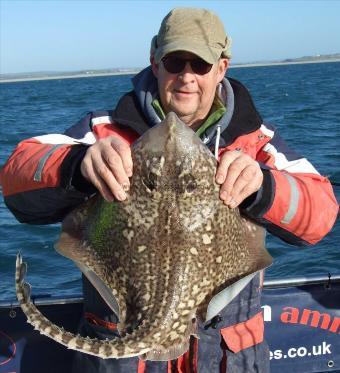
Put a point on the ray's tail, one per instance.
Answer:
(128, 346)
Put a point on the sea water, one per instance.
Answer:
(302, 101)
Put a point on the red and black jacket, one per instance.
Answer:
(41, 180)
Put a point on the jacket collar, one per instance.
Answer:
(136, 111)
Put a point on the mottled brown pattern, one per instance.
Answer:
(165, 251)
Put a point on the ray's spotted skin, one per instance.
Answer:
(158, 257)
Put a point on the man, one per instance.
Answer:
(49, 175)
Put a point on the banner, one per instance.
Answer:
(301, 328)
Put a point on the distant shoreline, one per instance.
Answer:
(71, 76)
(283, 63)
(133, 72)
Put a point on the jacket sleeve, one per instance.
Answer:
(37, 178)
(295, 202)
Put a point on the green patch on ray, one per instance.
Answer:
(104, 221)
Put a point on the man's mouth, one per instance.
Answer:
(185, 93)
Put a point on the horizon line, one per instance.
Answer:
(137, 70)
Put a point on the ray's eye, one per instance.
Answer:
(191, 186)
(151, 181)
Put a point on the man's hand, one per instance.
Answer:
(239, 176)
(108, 165)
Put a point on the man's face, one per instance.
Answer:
(188, 94)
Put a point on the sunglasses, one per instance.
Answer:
(175, 65)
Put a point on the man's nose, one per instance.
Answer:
(187, 73)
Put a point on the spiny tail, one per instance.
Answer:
(104, 349)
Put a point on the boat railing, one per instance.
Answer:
(301, 280)
(326, 280)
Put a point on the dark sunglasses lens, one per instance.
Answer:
(199, 66)
(173, 65)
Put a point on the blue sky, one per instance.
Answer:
(72, 35)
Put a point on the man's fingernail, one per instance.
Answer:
(228, 200)
(121, 196)
(224, 196)
(232, 203)
(129, 172)
(219, 179)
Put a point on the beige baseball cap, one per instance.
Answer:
(194, 30)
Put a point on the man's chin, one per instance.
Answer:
(183, 112)
(187, 118)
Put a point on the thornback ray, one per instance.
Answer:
(160, 257)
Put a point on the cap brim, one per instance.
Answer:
(207, 53)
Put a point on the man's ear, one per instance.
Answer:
(223, 64)
(154, 66)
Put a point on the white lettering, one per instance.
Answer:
(278, 354)
(302, 351)
(292, 352)
(317, 352)
(267, 313)
(326, 348)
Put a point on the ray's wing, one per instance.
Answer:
(86, 239)
(238, 254)
(255, 237)
(241, 244)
